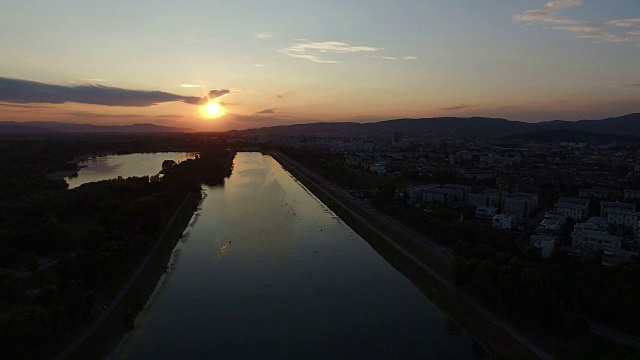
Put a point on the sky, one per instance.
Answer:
(281, 62)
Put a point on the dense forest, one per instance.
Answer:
(64, 254)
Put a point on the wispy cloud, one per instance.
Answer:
(456, 107)
(315, 51)
(263, 35)
(624, 22)
(410, 57)
(387, 57)
(98, 80)
(24, 106)
(605, 37)
(580, 27)
(258, 65)
(266, 111)
(550, 13)
(25, 92)
(190, 85)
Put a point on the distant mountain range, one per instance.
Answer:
(474, 127)
(623, 128)
(49, 127)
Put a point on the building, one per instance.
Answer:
(378, 168)
(573, 208)
(481, 200)
(486, 212)
(501, 221)
(631, 194)
(598, 193)
(606, 206)
(549, 226)
(520, 202)
(556, 215)
(622, 217)
(546, 244)
(435, 193)
(592, 236)
(618, 213)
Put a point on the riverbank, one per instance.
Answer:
(411, 259)
(101, 337)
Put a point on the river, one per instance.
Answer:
(266, 270)
(111, 166)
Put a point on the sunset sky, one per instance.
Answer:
(279, 62)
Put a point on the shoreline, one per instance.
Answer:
(101, 338)
(432, 281)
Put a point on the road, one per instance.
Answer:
(125, 289)
(433, 250)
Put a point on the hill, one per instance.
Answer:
(474, 127)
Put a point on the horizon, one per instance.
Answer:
(165, 64)
(190, 130)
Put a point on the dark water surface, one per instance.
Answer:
(265, 270)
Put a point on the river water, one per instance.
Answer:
(112, 166)
(265, 270)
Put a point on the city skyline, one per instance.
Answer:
(275, 63)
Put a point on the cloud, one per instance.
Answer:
(98, 80)
(266, 111)
(387, 57)
(456, 107)
(23, 106)
(605, 37)
(263, 35)
(549, 13)
(314, 51)
(634, 33)
(258, 65)
(190, 85)
(580, 27)
(410, 57)
(624, 22)
(25, 92)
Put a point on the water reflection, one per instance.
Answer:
(112, 166)
(270, 272)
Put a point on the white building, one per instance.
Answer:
(486, 212)
(543, 242)
(573, 208)
(592, 235)
(521, 202)
(549, 225)
(622, 217)
(481, 200)
(501, 221)
(607, 206)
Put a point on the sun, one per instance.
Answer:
(212, 109)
